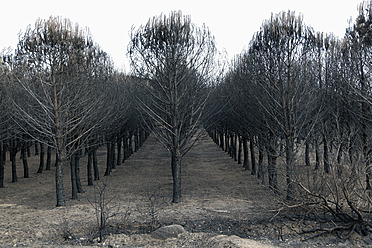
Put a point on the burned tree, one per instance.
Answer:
(60, 70)
(173, 59)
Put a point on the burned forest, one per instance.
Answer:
(188, 149)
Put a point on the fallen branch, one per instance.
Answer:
(347, 223)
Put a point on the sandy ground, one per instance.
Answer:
(222, 204)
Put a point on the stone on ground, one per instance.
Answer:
(166, 232)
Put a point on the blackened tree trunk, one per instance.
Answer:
(260, 174)
(136, 141)
(77, 156)
(108, 159)
(118, 142)
(142, 137)
(351, 155)
(232, 146)
(60, 161)
(24, 160)
(245, 153)
(13, 154)
(240, 150)
(227, 145)
(253, 156)
(176, 170)
(366, 153)
(289, 150)
(49, 158)
(125, 147)
(317, 155)
(95, 165)
(235, 147)
(222, 140)
(307, 153)
(42, 155)
(272, 156)
(13, 147)
(327, 167)
(2, 162)
(113, 155)
(36, 148)
(73, 178)
(5, 149)
(130, 144)
(339, 153)
(272, 173)
(89, 168)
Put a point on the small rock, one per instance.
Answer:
(166, 232)
(39, 234)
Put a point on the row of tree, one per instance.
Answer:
(59, 89)
(303, 100)
(290, 93)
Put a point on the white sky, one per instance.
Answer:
(232, 22)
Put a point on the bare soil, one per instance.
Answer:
(222, 206)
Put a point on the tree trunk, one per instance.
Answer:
(118, 142)
(73, 178)
(240, 150)
(136, 146)
(317, 155)
(125, 147)
(36, 148)
(271, 165)
(108, 159)
(245, 154)
(253, 157)
(221, 140)
(2, 172)
(351, 155)
(112, 155)
(42, 153)
(95, 165)
(325, 155)
(231, 146)
(339, 154)
(143, 137)
(60, 192)
(89, 168)
(49, 158)
(235, 145)
(77, 169)
(131, 144)
(13, 154)
(24, 160)
(307, 153)
(5, 149)
(271, 168)
(176, 171)
(227, 145)
(260, 174)
(289, 150)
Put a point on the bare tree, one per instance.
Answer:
(173, 59)
(59, 74)
(359, 51)
(4, 70)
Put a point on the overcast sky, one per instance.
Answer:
(232, 22)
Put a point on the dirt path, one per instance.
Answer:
(219, 197)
